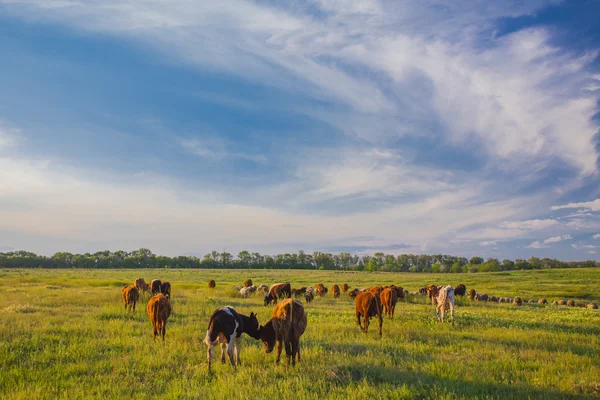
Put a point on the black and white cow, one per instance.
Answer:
(226, 327)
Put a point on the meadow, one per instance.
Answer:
(65, 334)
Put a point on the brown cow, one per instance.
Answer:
(460, 290)
(344, 287)
(321, 289)
(155, 286)
(432, 293)
(212, 284)
(335, 289)
(309, 297)
(165, 288)
(248, 283)
(159, 310)
(368, 305)
(389, 298)
(130, 296)
(299, 292)
(472, 294)
(287, 324)
(353, 293)
(278, 290)
(140, 284)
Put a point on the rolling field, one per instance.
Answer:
(64, 334)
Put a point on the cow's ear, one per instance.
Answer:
(251, 314)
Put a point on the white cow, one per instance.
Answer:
(445, 301)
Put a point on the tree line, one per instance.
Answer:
(144, 258)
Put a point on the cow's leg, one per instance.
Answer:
(380, 320)
(366, 323)
(452, 312)
(164, 329)
(230, 347)
(279, 348)
(358, 320)
(295, 345)
(288, 351)
(238, 343)
(134, 306)
(209, 353)
(223, 350)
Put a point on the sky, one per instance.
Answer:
(403, 126)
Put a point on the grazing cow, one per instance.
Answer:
(140, 284)
(299, 292)
(432, 293)
(212, 284)
(130, 296)
(287, 324)
(353, 293)
(344, 287)
(460, 290)
(321, 290)
(310, 290)
(389, 298)
(155, 286)
(472, 294)
(159, 310)
(278, 290)
(482, 297)
(335, 289)
(368, 305)
(165, 288)
(226, 327)
(542, 301)
(445, 301)
(423, 291)
(309, 297)
(248, 283)
(399, 291)
(247, 291)
(263, 288)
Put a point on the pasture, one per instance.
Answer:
(65, 334)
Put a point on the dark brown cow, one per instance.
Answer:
(212, 284)
(472, 294)
(155, 286)
(226, 327)
(460, 290)
(165, 288)
(432, 293)
(130, 296)
(140, 284)
(389, 298)
(353, 293)
(344, 287)
(309, 297)
(368, 305)
(299, 292)
(278, 290)
(321, 289)
(287, 324)
(423, 291)
(159, 310)
(248, 283)
(335, 289)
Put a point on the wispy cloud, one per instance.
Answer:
(488, 243)
(537, 245)
(218, 150)
(588, 205)
(596, 236)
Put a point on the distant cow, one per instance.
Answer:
(226, 327)
(368, 305)
(263, 288)
(472, 294)
(353, 293)
(140, 284)
(321, 289)
(375, 290)
(278, 290)
(309, 297)
(445, 301)
(299, 292)
(159, 310)
(130, 296)
(344, 287)
(460, 290)
(335, 289)
(165, 288)
(155, 286)
(287, 324)
(245, 292)
(212, 284)
(400, 292)
(389, 298)
(423, 291)
(248, 282)
(432, 293)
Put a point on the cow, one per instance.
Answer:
(287, 324)
(309, 297)
(130, 296)
(310, 290)
(375, 290)
(472, 294)
(460, 290)
(278, 290)
(248, 283)
(353, 293)
(159, 310)
(344, 287)
(226, 327)
(399, 291)
(485, 297)
(445, 301)
(263, 288)
(335, 289)
(299, 292)
(245, 292)
(423, 291)
(165, 288)
(389, 298)
(321, 289)
(432, 293)
(368, 305)
(212, 284)
(155, 286)
(140, 284)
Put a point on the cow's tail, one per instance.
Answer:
(209, 332)
(155, 321)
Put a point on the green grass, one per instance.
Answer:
(64, 334)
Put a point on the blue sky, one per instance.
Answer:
(423, 126)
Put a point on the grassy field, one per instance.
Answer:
(64, 334)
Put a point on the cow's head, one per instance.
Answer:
(251, 326)
(268, 299)
(267, 335)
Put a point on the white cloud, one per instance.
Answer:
(589, 205)
(529, 225)
(596, 236)
(218, 150)
(537, 245)
(591, 252)
(487, 243)
(583, 246)
(556, 239)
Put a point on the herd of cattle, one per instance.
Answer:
(288, 320)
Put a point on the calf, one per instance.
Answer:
(130, 296)
(472, 294)
(278, 290)
(287, 324)
(389, 298)
(165, 288)
(335, 289)
(226, 327)
(368, 305)
(321, 290)
(445, 301)
(155, 286)
(159, 310)
(212, 284)
(460, 290)
(344, 287)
